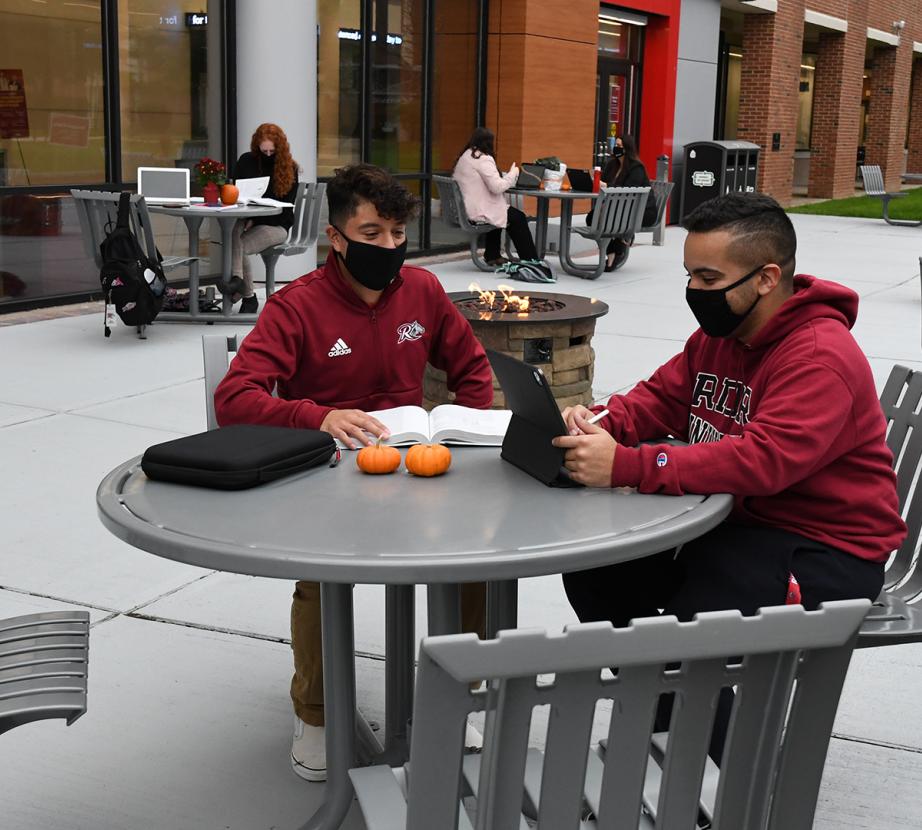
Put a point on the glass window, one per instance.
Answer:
(339, 84)
(805, 102)
(51, 93)
(395, 127)
(163, 84)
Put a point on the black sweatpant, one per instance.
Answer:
(517, 228)
(731, 567)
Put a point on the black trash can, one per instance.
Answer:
(715, 168)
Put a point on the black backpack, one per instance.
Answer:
(131, 281)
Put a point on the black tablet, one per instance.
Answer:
(536, 419)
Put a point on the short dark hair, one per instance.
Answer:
(760, 228)
(366, 182)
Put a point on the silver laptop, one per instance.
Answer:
(164, 185)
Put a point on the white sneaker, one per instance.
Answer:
(309, 751)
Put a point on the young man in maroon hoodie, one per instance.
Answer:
(777, 404)
(353, 336)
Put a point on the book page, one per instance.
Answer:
(450, 423)
(265, 201)
(407, 424)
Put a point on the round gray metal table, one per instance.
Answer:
(566, 199)
(193, 216)
(483, 521)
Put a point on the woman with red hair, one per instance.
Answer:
(269, 155)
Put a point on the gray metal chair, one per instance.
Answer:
(787, 665)
(98, 209)
(661, 192)
(216, 352)
(617, 214)
(896, 616)
(304, 230)
(453, 213)
(43, 667)
(873, 180)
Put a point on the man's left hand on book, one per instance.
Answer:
(349, 425)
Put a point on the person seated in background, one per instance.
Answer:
(269, 155)
(482, 188)
(351, 337)
(625, 169)
(778, 407)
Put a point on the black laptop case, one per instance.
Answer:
(237, 457)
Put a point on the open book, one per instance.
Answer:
(251, 193)
(446, 424)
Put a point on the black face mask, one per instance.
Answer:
(713, 312)
(618, 152)
(373, 265)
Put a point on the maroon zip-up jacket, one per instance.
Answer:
(325, 349)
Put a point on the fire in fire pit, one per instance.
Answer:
(505, 301)
(553, 331)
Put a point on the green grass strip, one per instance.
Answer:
(867, 207)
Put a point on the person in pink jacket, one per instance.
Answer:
(777, 405)
(482, 187)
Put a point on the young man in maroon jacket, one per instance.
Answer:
(351, 337)
(777, 404)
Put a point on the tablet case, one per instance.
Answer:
(237, 457)
(535, 421)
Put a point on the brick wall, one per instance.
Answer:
(770, 75)
(914, 160)
(836, 108)
(891, 70)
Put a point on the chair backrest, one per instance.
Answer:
(43, 667)
(452, 202)
(900, 399)
(97, 212)
(787, 666)
(873, 179)
(661, 192)
(306, 225)
(619, 210)
(216, 352)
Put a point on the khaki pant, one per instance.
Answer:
(254, 239)
(306, 643)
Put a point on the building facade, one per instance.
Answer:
(90, 91)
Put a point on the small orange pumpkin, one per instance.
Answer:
(428, 459)
(378, 459)
(229, 194)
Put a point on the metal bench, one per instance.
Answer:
(661, 192)
(617, 214)
(304, 230)
(896, 616)
(43, 667)
(97, 210)
(454, 214)
(873, 180)
(788, 666)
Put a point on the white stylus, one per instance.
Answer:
(598, 416)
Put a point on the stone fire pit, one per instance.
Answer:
(554, 333)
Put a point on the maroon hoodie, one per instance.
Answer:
(789, 423)
(326, 349)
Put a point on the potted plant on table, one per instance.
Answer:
(210, 174)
